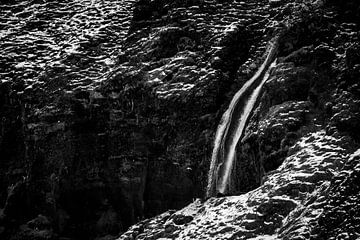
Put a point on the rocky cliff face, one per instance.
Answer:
(108, 117)
(293, 160)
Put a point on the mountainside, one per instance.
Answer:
(109, 111)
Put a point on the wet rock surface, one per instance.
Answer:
(303, 177)
(109, 108)
(296, 143)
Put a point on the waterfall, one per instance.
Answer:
(232, 125)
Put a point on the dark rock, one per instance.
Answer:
(37, 229)
(41, 222)
(100, 130)
(181, 219)
(109, 223)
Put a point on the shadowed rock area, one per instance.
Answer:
(108, 113)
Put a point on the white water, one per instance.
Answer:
(232, 126)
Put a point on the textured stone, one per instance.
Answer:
(108, 112)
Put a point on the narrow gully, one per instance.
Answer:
(232, 125)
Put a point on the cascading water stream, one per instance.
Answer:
(232, 125)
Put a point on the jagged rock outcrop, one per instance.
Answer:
(108, 112)
(297, 143)
(340, 218)
(303, 178)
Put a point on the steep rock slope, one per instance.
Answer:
(90, 141)
(54, 144)
(114, 129)
(293, 164)
(301, 179)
